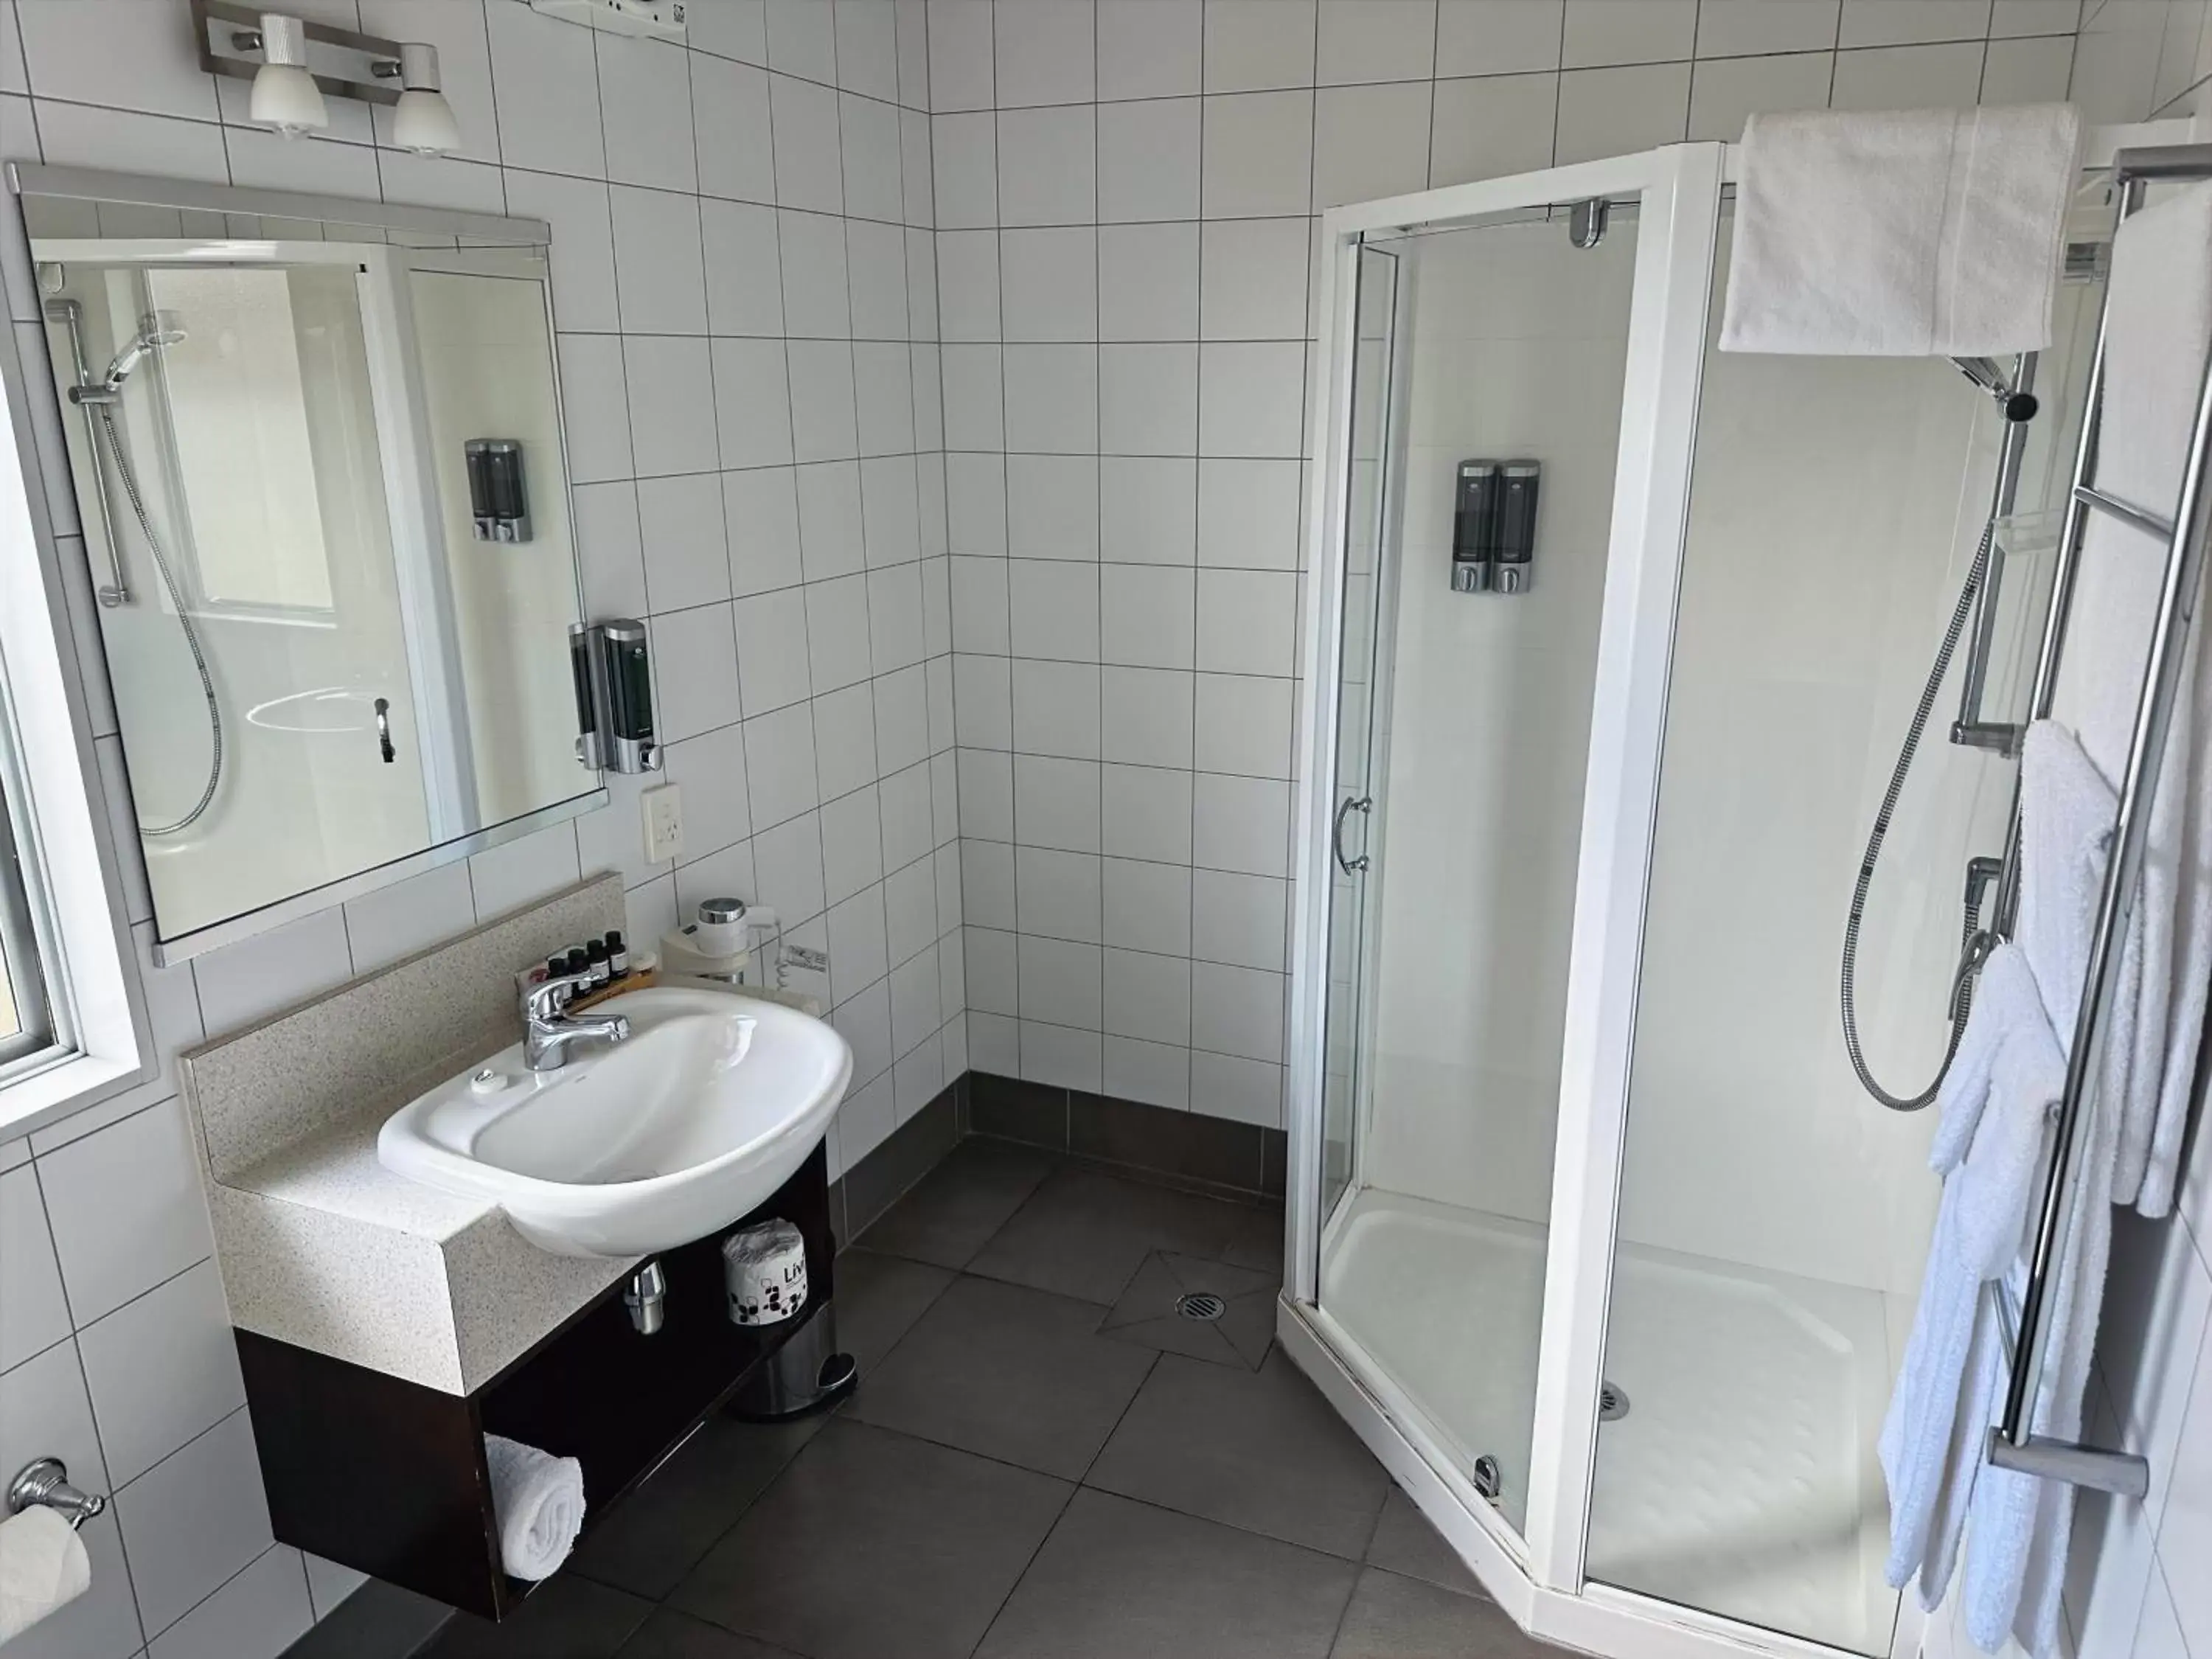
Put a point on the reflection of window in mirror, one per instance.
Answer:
(267, 399)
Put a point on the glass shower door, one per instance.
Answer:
(1352, 825)
(1469, 730)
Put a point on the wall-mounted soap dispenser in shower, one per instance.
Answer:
(1515, 545)
(612, 670)
(499, 493)
(1494, 525)
(1475, 508)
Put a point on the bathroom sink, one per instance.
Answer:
(697, 1117)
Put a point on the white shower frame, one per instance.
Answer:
(1539, 1580)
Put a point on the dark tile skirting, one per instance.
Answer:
(1188, 1148)
(902, 1158)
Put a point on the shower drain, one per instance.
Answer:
(1200, 1306)
(1611, 1402)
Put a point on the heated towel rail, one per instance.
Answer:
(2013, 1443)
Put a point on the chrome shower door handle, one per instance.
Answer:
(1350, 803)
(384, 731)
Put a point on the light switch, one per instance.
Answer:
(664, 823)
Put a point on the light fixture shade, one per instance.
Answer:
(286, 97)
(424, 123)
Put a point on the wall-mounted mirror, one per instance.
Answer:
(316, 449)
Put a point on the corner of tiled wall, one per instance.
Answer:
(1127, 197)
(744, 284)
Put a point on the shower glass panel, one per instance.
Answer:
(1365, 498)
(1512, 345)
(1772, 1219)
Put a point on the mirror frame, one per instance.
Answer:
(438, 226)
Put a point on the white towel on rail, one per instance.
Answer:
(2158, 333)
(1901, 232)
(1995, 1103)
(2018, 1527)
(2066, 814)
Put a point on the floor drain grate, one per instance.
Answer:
(1200, 1304)
(1612, 1403)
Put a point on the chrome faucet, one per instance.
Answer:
(547, 1030)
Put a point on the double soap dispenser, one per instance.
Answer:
(612, 669)
(1494, 525)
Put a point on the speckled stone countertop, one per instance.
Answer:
(322, 1247)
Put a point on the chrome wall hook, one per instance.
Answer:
(46, 1481)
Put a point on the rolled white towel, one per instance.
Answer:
(43, 1566)
(539, 1501)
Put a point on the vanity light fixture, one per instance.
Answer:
(285, 96)
(424, 120)
(294, 64)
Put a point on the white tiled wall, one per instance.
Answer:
(1126, 191)
(745, 280)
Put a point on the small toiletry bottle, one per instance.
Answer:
(578, 962)
(554, 967)
(595, 957)
(618, 955)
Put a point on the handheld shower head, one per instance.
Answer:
(156, 330)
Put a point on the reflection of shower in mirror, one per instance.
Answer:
(158, 330)
(268, 439)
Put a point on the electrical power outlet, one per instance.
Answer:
(664, 823)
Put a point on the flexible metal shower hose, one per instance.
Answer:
(1962, 984)
(106, 421)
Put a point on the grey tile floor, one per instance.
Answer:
(1030, 1468)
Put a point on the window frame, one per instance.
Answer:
(23, 952)
(73, 907)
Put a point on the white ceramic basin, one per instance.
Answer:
(640, 1145)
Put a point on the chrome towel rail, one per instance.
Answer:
(2149, 522)
(2013, 1444)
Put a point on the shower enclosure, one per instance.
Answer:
(1595, 1239)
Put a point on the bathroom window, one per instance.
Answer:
(71, 1008)
(261, 414)
(26, 1033)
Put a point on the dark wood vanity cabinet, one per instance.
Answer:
(388, 1476)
